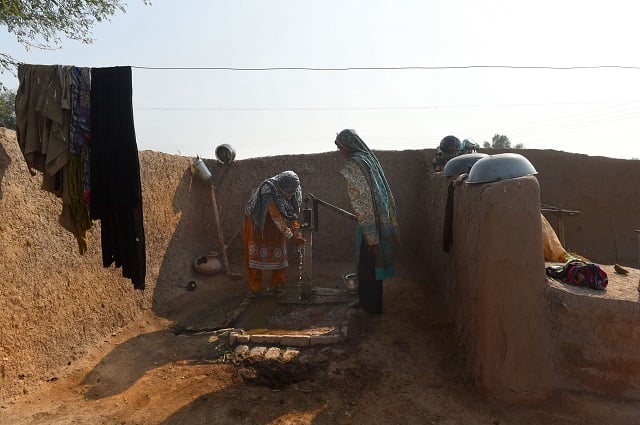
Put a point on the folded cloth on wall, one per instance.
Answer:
(579, 273)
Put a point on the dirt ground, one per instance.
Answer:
(399, 367)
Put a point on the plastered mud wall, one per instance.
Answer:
(596, 336)
(606, 191)
(55, 304)
(524, 336)
(493, 280)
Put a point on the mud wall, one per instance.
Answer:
(54, 303)
(596, 337)
(522, 335)
(492, 277)
(606, 191)
(180, 216)
(320, 175)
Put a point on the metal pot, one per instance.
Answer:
(201, 169)
(351, 281)
(225, 153)
(500, 167)
(461, 164)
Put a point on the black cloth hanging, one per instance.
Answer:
(447, 233)
(116, 192)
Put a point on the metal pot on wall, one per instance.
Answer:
(351, 281)
(225, 154)
(201, 170)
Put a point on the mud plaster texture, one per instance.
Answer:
(80, 345)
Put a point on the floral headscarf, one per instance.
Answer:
(284, 190)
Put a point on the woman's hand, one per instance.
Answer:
(298, 239)
(374, 249)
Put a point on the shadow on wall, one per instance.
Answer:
(191, 201)
(184, 230)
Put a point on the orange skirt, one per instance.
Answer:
(267, 251)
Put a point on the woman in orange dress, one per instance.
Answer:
(271, 219)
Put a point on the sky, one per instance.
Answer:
(484, 68)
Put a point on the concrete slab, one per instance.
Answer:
(292, 320)
(296, 321)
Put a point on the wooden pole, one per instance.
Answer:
(638, 232)
(225, 260)
(561, 230)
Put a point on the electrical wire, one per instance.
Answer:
(576, 126)
(377, 68)
(371, 108)
(576, 121)
(554, 125)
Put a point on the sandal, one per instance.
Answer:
(252, 294)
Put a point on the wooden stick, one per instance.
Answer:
(225, 260)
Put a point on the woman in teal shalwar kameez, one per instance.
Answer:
(375, 209)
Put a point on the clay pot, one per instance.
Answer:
(208, 263)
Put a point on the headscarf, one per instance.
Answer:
(383, 202)
(275, 189)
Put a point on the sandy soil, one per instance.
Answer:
(399, 367)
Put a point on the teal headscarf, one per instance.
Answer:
(284, 190)
(383, 202)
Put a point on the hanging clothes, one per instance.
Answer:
(116, 191)
(80, 130)
(43, 118)
(79, 136)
